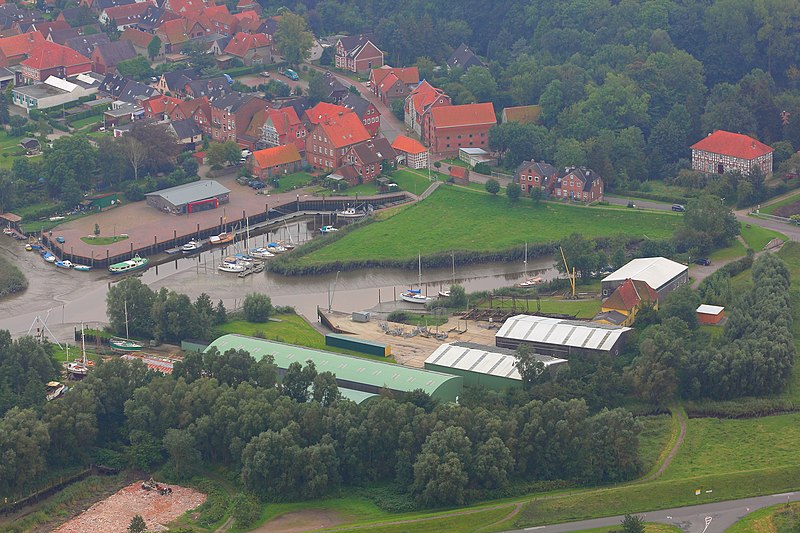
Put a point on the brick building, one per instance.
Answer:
(419, 103)
(329, 139)
(723, 151)
(447, 128)
(357, 54)
(579, 184)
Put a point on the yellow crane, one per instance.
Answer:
(570, 276)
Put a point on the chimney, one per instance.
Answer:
(753, 145)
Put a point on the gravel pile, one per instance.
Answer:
(114, 514)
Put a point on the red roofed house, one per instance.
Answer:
(365, 110)
(252, 49)
(533, 174)
(357, 54)
(248, 21)
(329, 139)
(221, 20)
(579, 184)
(156, 106)
(621, 307)
(447, 128)
(391, 84)
(106, 57)
(723, 151)
(368, 157)
(275, 161)
(140, 41)
(324, 110)
(187, 7)
(124, 16)
(14, 50)
(175, 33)
(419, 103)
(412, 151)
(51, 59)
(279, 127)
(197, 109)
(230, 116)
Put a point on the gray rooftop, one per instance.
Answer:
(191, 192)
(482, 359)
(561, 332)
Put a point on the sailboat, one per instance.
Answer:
(79, 367)
(445, 293)
(125, 345)
(415, 296)
(526, 281)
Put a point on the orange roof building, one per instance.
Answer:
(323, 110)
(51, 59)
(446, 129)
(328, 139)
(420, 101)
(252, 49)
(627, 299)
(416, 155)
(14, 50)
(275, 161)
(723, 151)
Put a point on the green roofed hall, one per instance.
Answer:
(351, 372)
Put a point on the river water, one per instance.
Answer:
(71, 298)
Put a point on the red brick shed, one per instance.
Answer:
(710, 314)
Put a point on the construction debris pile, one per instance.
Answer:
(158, 504)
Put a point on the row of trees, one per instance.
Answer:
(755, 356)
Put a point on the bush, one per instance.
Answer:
(483, 168)
(246, 510)
(492, 186)
(257, 307)
(397, 316)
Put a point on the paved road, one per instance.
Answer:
(707, 518)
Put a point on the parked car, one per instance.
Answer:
(60, 239)
(153, 79)
(702, 261)
(292, 75)
(258, 185)
(264, 74)
(241, 180)
(678, 207)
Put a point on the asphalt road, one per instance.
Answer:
(706, 518)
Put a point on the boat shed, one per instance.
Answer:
(199, 195)
(492, 367)
(354, 373)
(559, 337)
(660, 273)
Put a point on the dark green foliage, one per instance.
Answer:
(398, 109)
(708, 224)
(137, 525)
(632, 524)
(137, 68)
(246, 510)
(513, 192)
(25, 368)
(492, 186)
(257, 307)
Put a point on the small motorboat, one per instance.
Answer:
(327, 229)
(50, 258)
(134, 263)
(64, 264)
(54, 390)
(81, 268)
(36, 247)
(232, 267)
(261, 253)
(78, 368)
(444, 293)
(233, 260)
(529, 282)
(191, 247)
(28, 248)
(351, 212)
(8, 231)
(414, 296)
(222, 238)
(125, 345)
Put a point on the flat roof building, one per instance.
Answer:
(54, 92)
(661, 274)
(710, 314)
(353, 373)
(560, 338)
(199, 195)
(492, 367)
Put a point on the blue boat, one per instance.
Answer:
(47, 256)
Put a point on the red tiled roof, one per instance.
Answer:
(732, 144)
(249, 21)
(186, 7)
(630, 294)
(49, 55)
(119, 13)
(174, 31)
(159, 103)
(424, 94)
(407, 145)
(283, 118)
(241, 43)
(324, 110)
(344, 130)
(458, 172)
(277, 155)
(20, 44)
(463, 115)
(136, 37)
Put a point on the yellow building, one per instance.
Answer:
(621, 307)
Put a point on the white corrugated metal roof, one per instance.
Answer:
(655, 271)
(482, 359)
(710, 309)
(191, 192)
(58, 83)
(572, 333)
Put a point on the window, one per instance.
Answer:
(536, 179)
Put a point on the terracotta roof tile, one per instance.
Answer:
(408, 145)
(463, 115)
(732, 144)
(49, 55)
(630, 294)
(324, 110)
(277, 155)
(241, 43)
(137, 37)
(20, 44)
(344, 130)
(424, 95)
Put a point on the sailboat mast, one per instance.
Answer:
(127, 336)
(453, 256)
(83, 344)
(419, 264)
(525, 263)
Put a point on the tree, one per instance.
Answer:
(135, 152)
(492, 186)
(298, 379)
(132, 300)
(220, 153)
(326, 391)
(398, 108)
(633, 524)
(161, 146)
(513, 191)
(707, 224)
(137, 68)
(154, 47)
(4, 114)
(537, 194)
(137, 525)
(181, 450)
(458, 297)
(581, 255)
(530, 368)
(479, 81)
(292, 39)
(319, 88)
(8, 191)
(257, 307)
(682, 303)
(18, 125)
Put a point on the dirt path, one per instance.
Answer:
(681, 416)
(299, 521)
(226, 526)
(510, 516)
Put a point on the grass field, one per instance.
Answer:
(757, 237)
(102, 241)
(294, 181)
(770, 209)
(783, 518)
(449, 218)
(655, 435)
(291, 329)
(585, 308)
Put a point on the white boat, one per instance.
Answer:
(8, 231)
(276, 247)
(81, 268)
(222, 238)
(191, 247)
(415, 296)
(135, 263)
(64, 264)
(231, 260)
(351, 212)
(79, 368)
(261, 253)
(327, 229)
(526, 281)
(232, 267)
(445, 293)
(54, 390)
(50, 258)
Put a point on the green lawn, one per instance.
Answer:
(412, 181)
(455, 163)
(585, 308)
(453, 219)
(654, 438)
(294, 181)
(102, 241)
(8, 145)
(82, 123)
(733, 251)
(291, 329)
(783, 518)
(770, 209)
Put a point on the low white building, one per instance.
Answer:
(474, 156)
(661, 274)
(54, 92)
